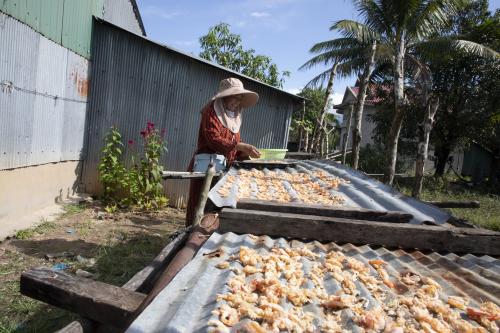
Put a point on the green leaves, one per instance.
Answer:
(222, 46)
(141, 184)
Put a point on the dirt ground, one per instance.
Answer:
(111, 247)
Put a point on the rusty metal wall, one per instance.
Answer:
(186, 303)
(43, 95)
(135, 80)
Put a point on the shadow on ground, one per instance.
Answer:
(116, 262)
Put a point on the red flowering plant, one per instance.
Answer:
(141, 184)
(146, 176)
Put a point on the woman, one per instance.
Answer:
(219, 132)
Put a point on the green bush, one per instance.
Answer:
(372, 160)
(140, 185)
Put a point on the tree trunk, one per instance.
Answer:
(424, 133)
(397, 120)
(322, 144)
(360, 104)
(494, 180)
(329, 91)
(301, 130)
(348, 128)
(306, 145)
(326, 142)
(442, 158)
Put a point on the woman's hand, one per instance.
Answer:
(248, 149)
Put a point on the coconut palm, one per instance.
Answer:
(349, 55)
(406, 28)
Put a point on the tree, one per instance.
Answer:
(308, 118)
(468, 87)
(406, 28)
(348, 55)
(222, 46)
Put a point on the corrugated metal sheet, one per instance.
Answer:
(135, 80)
(185, 305)
(42, 98)
(66, 22)
(360, 191)
(123, 14)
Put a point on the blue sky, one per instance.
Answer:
(285, 30)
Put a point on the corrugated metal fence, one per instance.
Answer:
(135, 80)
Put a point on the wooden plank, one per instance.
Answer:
(142, 281)
(184, 175)
(403, 235)
(318, 210)
(455, 204)
(270, 164)
(80, 326)
(98, 301)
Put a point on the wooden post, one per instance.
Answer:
(455, 204)
(200, 209)
(348, 128)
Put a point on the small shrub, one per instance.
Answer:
(140, 185)
(112, 172)
(149, 171)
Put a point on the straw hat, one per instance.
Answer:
(233, 86)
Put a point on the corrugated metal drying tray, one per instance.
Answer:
(185, 305)
(360, 191)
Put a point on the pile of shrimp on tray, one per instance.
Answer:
(245, 283)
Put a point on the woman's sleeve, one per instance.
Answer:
(211, 131)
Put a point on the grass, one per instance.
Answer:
(119, 251)
(84, 228)
(447, 189)
(72, 209)
(42, 228)
(15, 308)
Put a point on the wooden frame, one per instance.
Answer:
(318, 210)
(327, 229)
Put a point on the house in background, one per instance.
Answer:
(373, 105)
(346, 110)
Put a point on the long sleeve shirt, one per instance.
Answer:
(214, 138)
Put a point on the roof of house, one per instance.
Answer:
(373, 97)
(137, 14)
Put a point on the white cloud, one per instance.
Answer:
(337, 97)
(159, 12)
(259, 14)
(294, 91)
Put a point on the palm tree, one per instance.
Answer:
(348, 55)
(406, 28)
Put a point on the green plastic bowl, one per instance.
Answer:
(272, 154)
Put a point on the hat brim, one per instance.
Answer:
(249, 98)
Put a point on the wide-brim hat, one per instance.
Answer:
(233, 86)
